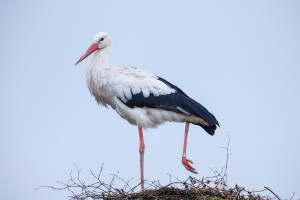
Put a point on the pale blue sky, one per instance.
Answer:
(240, 59)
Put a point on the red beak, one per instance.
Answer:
(92, 48)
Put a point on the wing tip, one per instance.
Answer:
(210, 129)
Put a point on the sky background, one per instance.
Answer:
(240, 59)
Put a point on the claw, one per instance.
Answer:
(186, 164)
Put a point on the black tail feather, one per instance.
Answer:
(209, 129)
(194, 108)
(204, 113)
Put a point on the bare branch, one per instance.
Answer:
(273, 193)
(292, 196)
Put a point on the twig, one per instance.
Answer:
(292, 196)
(273, 193)
(227, 157)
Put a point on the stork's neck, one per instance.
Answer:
(97, 70)
(100, 57)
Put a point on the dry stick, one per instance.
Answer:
(273, 193)
(126, 182)
(99, 181)
(292, 196)
(227, 157)
(171, 184)
(170, 179)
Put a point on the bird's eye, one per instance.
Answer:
(101, 39)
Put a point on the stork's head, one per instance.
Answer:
(100, 41)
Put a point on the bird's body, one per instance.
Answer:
(128, 90)
(140, 97)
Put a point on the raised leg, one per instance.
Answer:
(142, 150)
(186, 162)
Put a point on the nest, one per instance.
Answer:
(214, 187)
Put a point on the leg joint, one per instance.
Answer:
(142, 148)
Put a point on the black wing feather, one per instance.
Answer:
(177, 102)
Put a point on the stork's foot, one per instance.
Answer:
(186, 163)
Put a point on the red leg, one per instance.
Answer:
(142, 150)
(186, 162)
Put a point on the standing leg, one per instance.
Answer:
(186, 161)
(142, 150)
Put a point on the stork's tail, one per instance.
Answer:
(203, 113)
(209, 129)
(182, 103)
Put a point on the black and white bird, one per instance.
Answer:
(142, 98)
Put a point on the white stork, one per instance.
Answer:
(142, 98)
